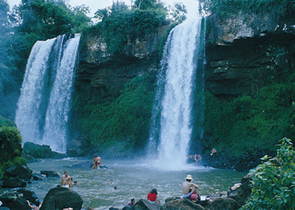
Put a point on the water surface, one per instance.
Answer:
(133, 179)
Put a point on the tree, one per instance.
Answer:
(48, 19)
(273, 184)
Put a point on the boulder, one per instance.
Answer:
(241, 193)
(59, 198)
(41, 151)
(225, 204)
(16, 200)
(183, 204)
(21, 171)
(145, 205)
(13, 182)
(53, 174)
(38, 176)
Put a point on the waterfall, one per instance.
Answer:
(171, 129)
(44, 103)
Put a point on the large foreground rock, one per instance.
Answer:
(59, 198)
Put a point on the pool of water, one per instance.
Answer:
(133, 179)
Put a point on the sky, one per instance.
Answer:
(94, 5)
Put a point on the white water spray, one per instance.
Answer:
(174, 97)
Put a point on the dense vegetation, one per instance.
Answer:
(251, 124)
(120, 126)
(273, 183)
(225, 8)
(11, 149)
(121, 25)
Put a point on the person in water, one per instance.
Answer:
(152, 196)
(37, 207)
(188, 187)
(197, 158)
(66, 181)
(96, 162)
(131, 203)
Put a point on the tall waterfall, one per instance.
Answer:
(171, 129)
(44, 103)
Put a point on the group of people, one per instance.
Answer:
(189, 190)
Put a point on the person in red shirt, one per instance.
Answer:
(152, 196)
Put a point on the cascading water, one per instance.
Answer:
(44, 102)
(171, 128)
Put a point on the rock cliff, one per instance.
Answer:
(101, 75)
(245, 52)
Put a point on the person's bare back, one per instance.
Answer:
(188, 187)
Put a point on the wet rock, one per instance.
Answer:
(16, 200)
(241, 193)
(13, 182)
(145, 205)
(53, 174)
(60, 198)
(179, 203)
(38, 176)
(74, 148)
(225, 204)
(21, 171)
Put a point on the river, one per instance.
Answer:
(133, 179)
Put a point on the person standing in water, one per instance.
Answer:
(96, 162)
(66, 181)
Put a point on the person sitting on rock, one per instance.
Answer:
(37, 207)
(188, 188)
(152, 196)
(66, 181)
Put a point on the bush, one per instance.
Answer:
(273, 183)
(11, 148)
(229, 7)
(250, 123)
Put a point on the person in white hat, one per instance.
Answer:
(188, 187)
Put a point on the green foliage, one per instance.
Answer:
(120, 126)
(248, 123)
(121, 25)
(229, 7)
(11, 149)
(6, 122)
(48, 19)
(273, 183)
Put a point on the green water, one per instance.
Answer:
(133, 179)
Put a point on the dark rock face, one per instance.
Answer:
(247, 65)
(60, 198)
